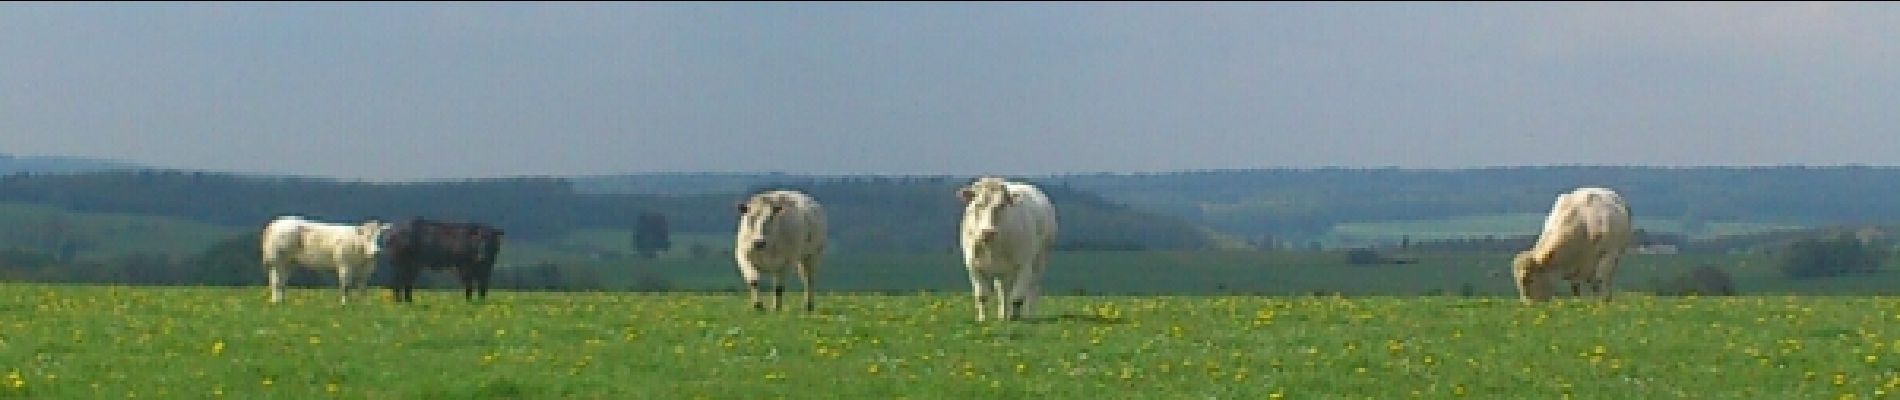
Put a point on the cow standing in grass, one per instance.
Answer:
(1584, 237)
(1006, 233)
(348, 250)
(469, 249)
(779, 230)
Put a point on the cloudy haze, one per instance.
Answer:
(390, 91)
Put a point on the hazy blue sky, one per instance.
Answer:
(391, 91)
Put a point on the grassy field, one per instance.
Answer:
(100, 341)
(1238, 272)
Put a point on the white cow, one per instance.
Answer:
(777, 230)
(1007, 230)
(1585, 235)
(348, 250)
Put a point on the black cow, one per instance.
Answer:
(468, 248)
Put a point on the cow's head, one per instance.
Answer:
(371, 233)
(489, 239)
(1528, 272)
(757, 217)
(983, 205)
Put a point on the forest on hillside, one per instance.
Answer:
(63, 225)
(1304, 203)
(1183, 210)
(868, 214)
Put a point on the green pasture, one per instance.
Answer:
(180, 342)
(1234, 272)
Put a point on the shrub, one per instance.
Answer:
(1830, 256)
(1704, 280)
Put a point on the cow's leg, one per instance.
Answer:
(753, 287)
(1020, 290)
(805, 269)
(276, 272)
(404, 282)
(343, 283)
(468, 282)
(481, 279)
(409, 284)
(1000, 287)
(362, 279)
(980, 286)
(778, 290)
(1606, 268)
(1035, 286)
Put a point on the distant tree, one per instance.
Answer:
(650, 235)
(1363, 256)
(700, 251)
(145, 268)
(233, 261)
(546, 276)
(650, 281)
(57, 236)
(1704, 280)
(1835, 255)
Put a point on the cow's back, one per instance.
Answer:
(1606, 218)
(281, 238)
(805, 223)
(434, 244)
(305, 241)
(1036, 211)
(1582, 224)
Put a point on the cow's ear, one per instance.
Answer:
(1012, 198)
(742, 208)
(966, 194)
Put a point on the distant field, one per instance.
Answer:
(1506, 225)
(603, 259)
(105, 234)
(119, 342)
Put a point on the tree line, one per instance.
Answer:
(1295, 204)
(1308, 202)
(868, 214)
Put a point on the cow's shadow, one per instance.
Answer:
(1073, 318)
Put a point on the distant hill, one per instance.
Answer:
(1336, 204)
(1303, 207)
(869, 214)
(1311, 202)
(12, 164)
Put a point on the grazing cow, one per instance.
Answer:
(1007, 230)
(467, 248)
(778, 229)
(1584, 237)
(349, 250)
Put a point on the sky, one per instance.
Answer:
(423, 91)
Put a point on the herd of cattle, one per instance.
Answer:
(1006, 234)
